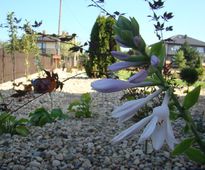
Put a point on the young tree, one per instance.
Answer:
(101, 44)
(179, 59)
(66, 53)
(28, 46)
(13, 44)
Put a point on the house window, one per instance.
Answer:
(200, 49)
(175, 48)
(43, 47)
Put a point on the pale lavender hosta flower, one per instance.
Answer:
(129, 109)
(123, 65)
(120, 55)
(120, 42)
(154, 60)
(138, 77)
(113, 85)
(158, 127)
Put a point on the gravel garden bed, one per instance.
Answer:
(84, 143)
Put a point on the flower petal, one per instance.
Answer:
(128, 109)
(120, 42)
(138, 77)
(162, 112)
(170, 139)
(123, 65)
(120, 55)
(149, 129)
(166, 98)
(131, 130)
(158, 136)
(113, 85)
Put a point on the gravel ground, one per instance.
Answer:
(79, 143)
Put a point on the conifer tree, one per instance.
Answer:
(101, 44)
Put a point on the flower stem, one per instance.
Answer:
(186, 116)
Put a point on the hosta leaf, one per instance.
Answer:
(22, 130)
(191, 98)
(183, 146)
(55, 113)
(43, 120)
(195, 155)
(23, 121)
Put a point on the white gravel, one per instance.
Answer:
(83, 143)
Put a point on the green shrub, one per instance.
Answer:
(189, 75)
(81, 107)
(41, 116)
(9, 124)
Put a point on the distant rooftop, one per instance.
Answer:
(181, 39)
(47, 39)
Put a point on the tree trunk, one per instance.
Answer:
(14, 67)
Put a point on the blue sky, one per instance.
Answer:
(78, 18)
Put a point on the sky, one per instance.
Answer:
(78, 18)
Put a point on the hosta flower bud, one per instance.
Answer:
(154, 60)
(139, 43)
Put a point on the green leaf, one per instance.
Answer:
(22, 130)
(135, 26)
(127, 38)
(23, 121)
(195, 155)
(174, 115)
(158, 49)
(116, 29)
(55, 113)
(191, 98)
(44, 119)
(86, 98)
(124, 23)
(74, 103)
(186, 128)
(183, 146)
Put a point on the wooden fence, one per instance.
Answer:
(6, 65)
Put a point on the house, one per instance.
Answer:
(47, 45)
(174, 43)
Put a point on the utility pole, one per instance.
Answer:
(59, 27)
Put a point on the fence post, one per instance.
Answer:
(3, 65)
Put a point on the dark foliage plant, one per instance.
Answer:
(9, 124)
(189, 75)
(41, 116)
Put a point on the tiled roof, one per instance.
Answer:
(47, 39)
(181, 39)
